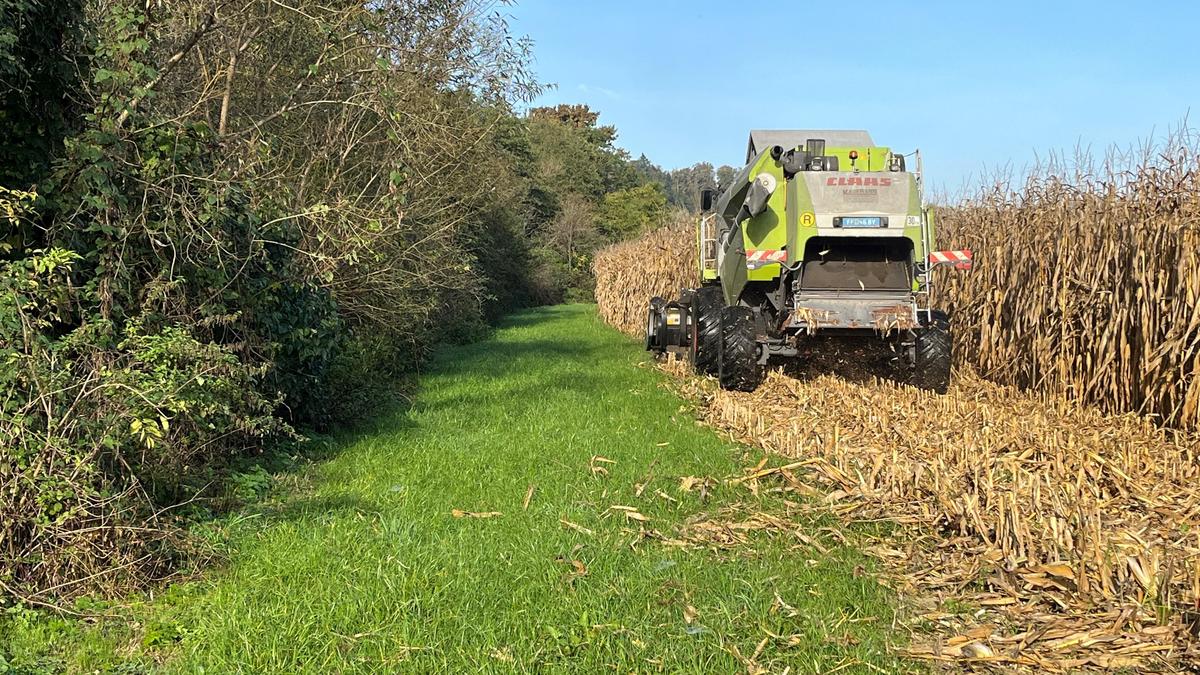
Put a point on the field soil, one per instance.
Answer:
(545, 505)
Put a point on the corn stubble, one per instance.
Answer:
(1048, 505)
(1075, 530)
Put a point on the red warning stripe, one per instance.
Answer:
(765, 255)
(961, 259)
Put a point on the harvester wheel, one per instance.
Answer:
(706, 329)
(934, 354)
(737, 358)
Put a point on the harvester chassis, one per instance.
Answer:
(735, 344)
(811, 239)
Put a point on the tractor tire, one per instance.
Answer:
(934, 355)
(737, 358)
(653, 324)
(651, 327)
(706, 330)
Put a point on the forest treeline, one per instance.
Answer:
(226, 222)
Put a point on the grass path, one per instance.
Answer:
(365, 569)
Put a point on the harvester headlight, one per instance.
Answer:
(818, 164)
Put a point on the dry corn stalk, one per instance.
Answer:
(1087, 284)
(630, 273)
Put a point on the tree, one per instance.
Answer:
(687, 183)
(581, 118)
(682, 186)
(725, 176)
(627, 213)
(573, 234)
(252, 217)
(39, 91)
(577, 116)
(573, 156)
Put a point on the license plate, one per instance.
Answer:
(861, 221)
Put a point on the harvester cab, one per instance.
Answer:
(822, 233)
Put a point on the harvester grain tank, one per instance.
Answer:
(821, 234)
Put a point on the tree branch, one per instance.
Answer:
(205, 26)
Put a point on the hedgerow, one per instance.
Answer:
(206, 264)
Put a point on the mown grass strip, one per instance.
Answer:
(513, 520)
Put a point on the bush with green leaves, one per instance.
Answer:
(213, 259)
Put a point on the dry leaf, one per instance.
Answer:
(630, 512)
(578, 528)
(690, 615)
(595, 465)
(995, 602)
(1057, 569)
(459, 513)
(977, 650)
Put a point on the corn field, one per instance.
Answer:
(1053, 489)
(659, 263)
(1087, 285)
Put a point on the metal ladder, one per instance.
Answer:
(708, 243)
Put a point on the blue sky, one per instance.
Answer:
(975, 85)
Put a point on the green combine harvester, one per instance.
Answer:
(822, 234)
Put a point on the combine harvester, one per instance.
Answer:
(821, 234)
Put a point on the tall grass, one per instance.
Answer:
(1087, 282)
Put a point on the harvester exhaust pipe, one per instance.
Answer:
(760, 192)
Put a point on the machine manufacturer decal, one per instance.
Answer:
(867, 181)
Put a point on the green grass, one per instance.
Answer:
(362, 567)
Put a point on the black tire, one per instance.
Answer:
(653, 322)
(706, 330)
(737, 362)
(934, 354)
